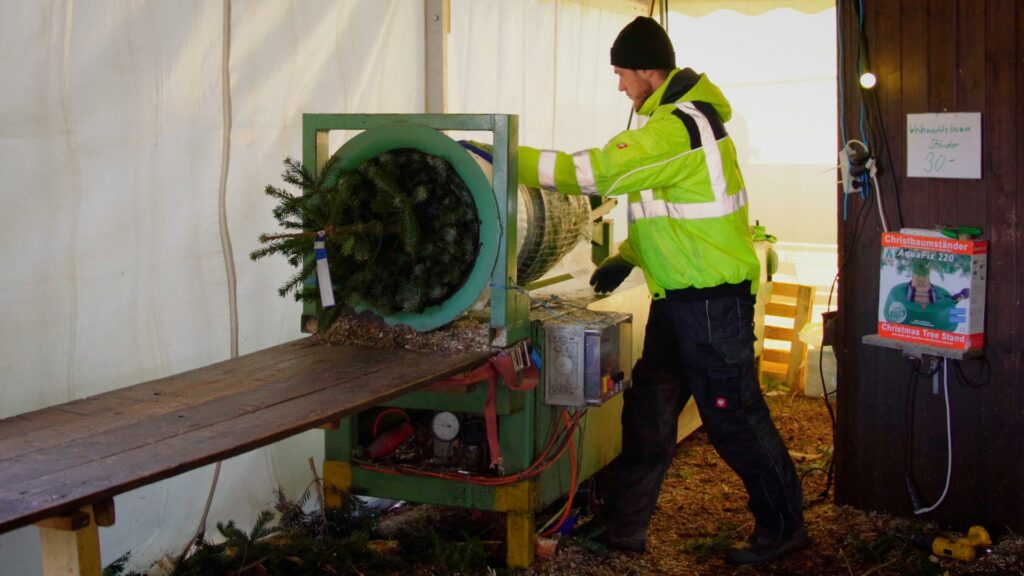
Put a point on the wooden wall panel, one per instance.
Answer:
(935, 56)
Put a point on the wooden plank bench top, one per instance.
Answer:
(56, 460)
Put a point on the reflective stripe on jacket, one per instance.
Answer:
(688, 224)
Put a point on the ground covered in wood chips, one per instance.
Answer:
(703, 508)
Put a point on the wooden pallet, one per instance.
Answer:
(60, 467)
(791, 302)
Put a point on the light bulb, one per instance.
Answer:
(868, 80)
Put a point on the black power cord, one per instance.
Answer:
(912, 490)
(858, 227)
(830, 472)
(983, 377)
(934, 365)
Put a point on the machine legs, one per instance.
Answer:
(518, 502)
(337, 482)
(519, 527)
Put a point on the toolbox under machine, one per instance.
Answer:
(499, 439)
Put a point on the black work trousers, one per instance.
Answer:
(702, 349)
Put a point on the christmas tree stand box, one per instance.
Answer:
(932, 290)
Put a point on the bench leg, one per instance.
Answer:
(71, 545)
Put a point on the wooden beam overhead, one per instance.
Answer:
(634, 7)
(748, 7)
(704, 7)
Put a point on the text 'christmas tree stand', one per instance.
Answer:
(932, 291)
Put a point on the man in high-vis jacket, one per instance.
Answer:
(689, 233)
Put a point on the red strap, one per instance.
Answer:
(491, 422)
(521, 380)
(501, 364)
(485, 371)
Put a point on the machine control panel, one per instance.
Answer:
(587, 359)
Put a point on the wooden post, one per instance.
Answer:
(71, 544)
(337, 482)
(519, 532)
(435, 40)
(518, 501)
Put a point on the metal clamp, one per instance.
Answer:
(520, 356)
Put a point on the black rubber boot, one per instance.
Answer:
(761, 549)
(598, 531)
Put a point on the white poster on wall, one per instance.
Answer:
(946, 145)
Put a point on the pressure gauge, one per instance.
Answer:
(445, 426)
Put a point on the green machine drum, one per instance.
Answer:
(400, 135)
(548, 226)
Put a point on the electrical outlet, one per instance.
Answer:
(844, 170)
(854, 162)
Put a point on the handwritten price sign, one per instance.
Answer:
(944, 145)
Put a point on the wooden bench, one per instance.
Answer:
(61, 466)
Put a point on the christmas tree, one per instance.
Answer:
(401, 231)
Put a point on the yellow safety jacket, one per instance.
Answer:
(688, 224)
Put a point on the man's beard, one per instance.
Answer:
(638, 103)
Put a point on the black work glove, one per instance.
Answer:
(610, 274)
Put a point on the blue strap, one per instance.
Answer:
(476, 150)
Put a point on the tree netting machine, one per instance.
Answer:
(522, 431)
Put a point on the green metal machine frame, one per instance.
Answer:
(380, 132)
(524, 421)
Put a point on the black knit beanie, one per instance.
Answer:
(643, 45)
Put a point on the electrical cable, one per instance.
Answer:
(874, 118)
(564, 512)
(376, 421)
(573, 471)
(225, 239)
(568, 503)
(915, 366)
(839, 72)
(830, 474)
(863, 63)
(914, 497)
(859, 221)
(858, 224)
(883, 145)
(908, 407)
(983, 378)
(878, 199)
(555, 516)
(538, 466)
(888, 158)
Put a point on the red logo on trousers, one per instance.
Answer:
(721, 402)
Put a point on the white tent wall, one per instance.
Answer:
(778, 69)
(112, 130)
(112, 272)
(546, 61)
